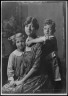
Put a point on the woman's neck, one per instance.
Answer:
(32, 36)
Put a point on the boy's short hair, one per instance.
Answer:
(52, 23)
(32, 20)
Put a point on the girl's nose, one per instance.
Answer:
(20, 43)
(48, 30)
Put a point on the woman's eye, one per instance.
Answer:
(44, 28)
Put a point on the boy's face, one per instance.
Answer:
(20, 43)
(47, 30)
(29, 29)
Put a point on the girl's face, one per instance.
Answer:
(20, 43)
(47, 30)
(29, 29)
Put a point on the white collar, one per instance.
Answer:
(51, 36)
(17, 53)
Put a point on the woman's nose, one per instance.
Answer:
(30, 27)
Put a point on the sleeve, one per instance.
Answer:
(36, 62)
(10, 71)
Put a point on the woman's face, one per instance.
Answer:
(20, 44)
(47, 30)
(29, 29)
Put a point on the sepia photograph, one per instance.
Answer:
(33, 47)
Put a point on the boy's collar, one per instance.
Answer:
(51, 36)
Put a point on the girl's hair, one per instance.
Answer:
(14, 37)
(52, 23)
(19, 35)
(32, 20)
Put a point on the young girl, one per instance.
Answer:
(49, 48)
(15, 68)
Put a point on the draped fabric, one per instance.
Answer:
(33, 85)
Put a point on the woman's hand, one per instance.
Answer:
(18, 82)
(11, 82)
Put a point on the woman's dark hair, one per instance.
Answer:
(33, 21)
(52, 23)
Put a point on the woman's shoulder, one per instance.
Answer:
(37, 46)
(50, 41)
(52, 37)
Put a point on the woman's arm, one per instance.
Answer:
(28, 74)
(26, 77)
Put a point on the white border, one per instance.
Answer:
(1, 46)
(66, 47)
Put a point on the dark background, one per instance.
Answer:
(55, 10)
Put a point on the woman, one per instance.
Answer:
(35, 80)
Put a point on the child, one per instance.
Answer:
(15, 66)
(49, 47)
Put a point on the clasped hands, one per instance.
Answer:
(15, 83)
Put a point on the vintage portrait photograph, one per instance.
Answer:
(33, 51)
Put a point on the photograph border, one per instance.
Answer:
(66, 50)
